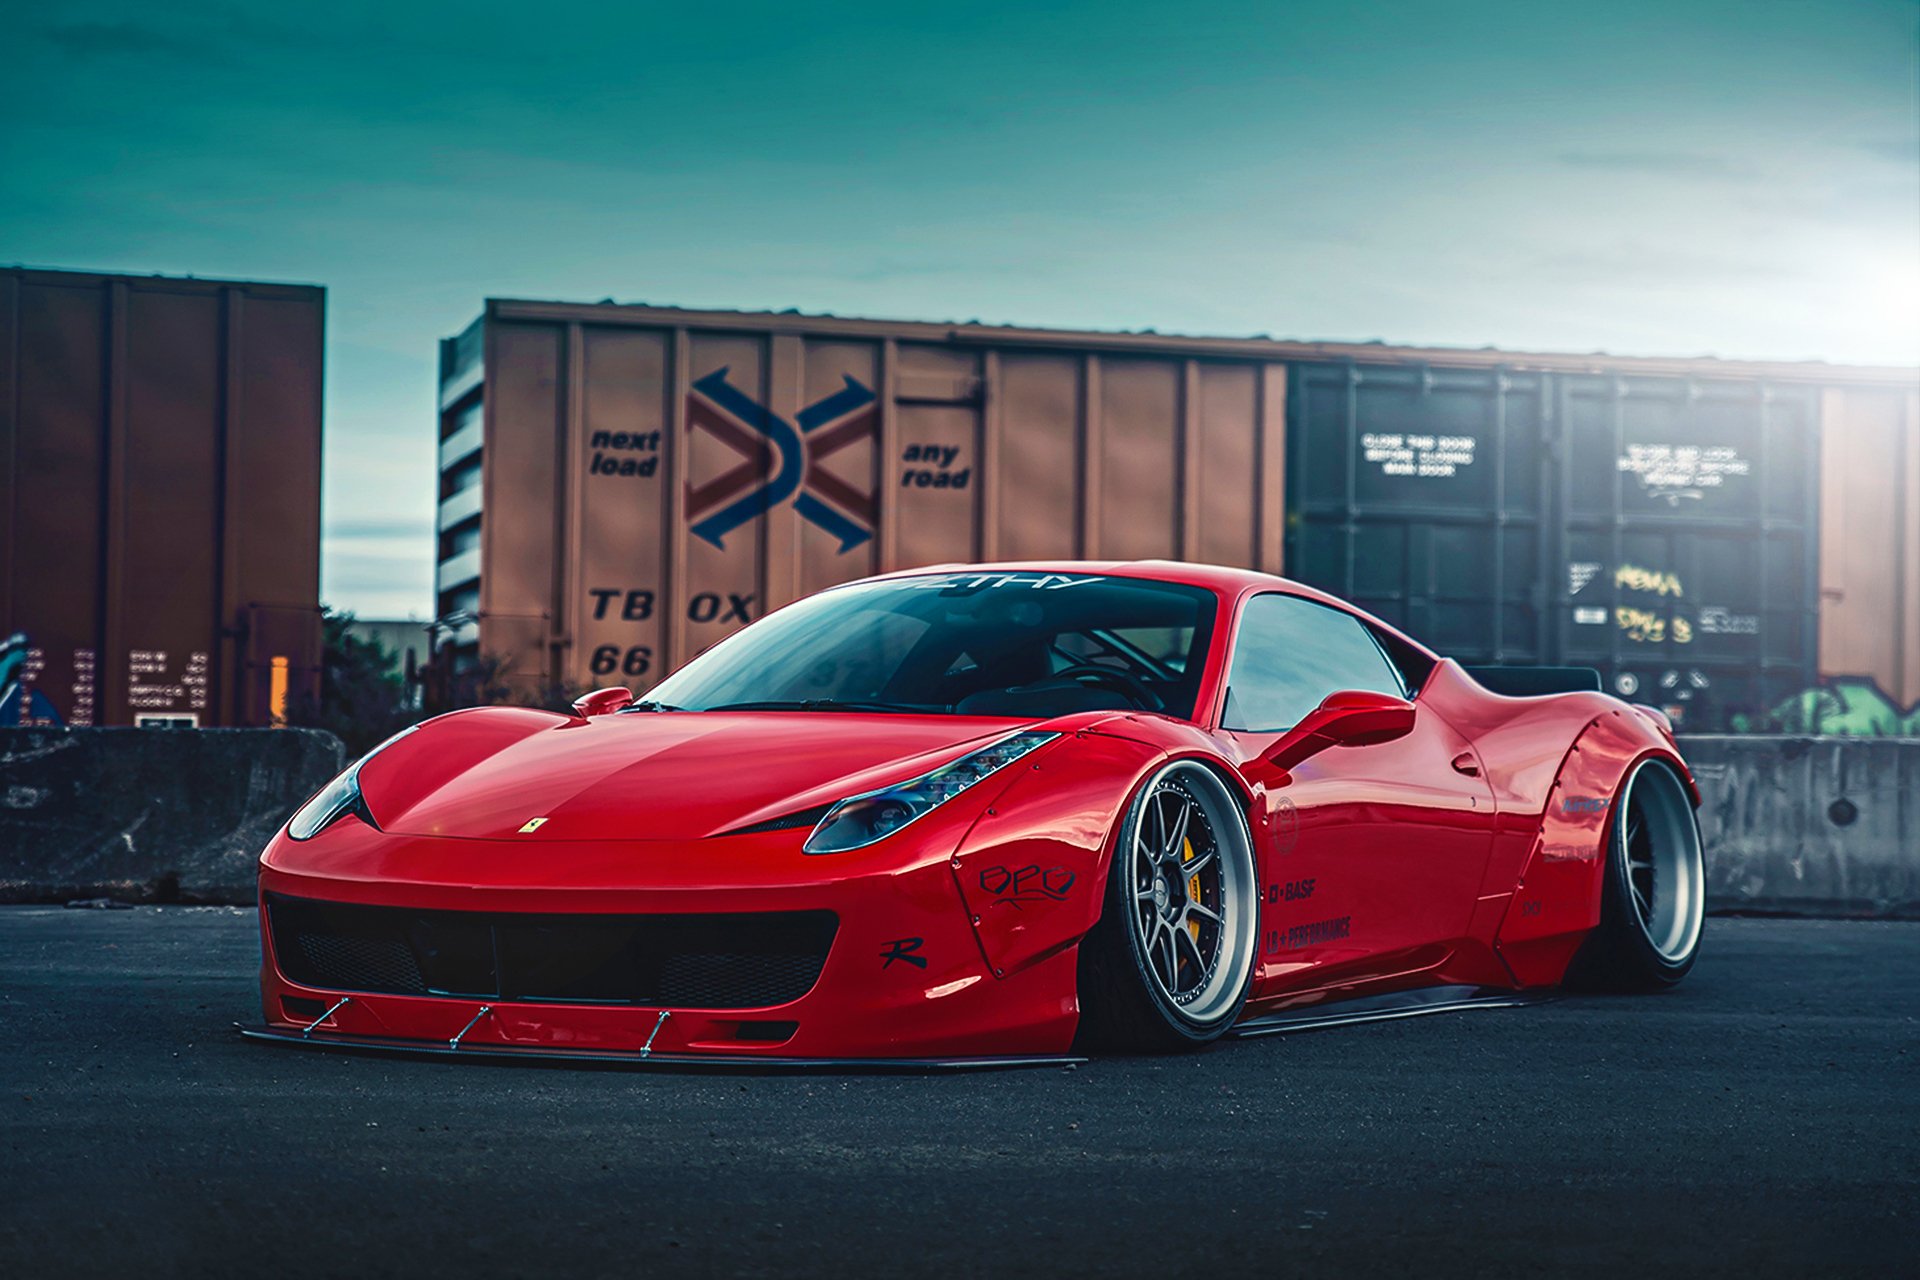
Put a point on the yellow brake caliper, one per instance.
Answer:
(1193, 887)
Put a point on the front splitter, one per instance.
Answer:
(636, 1059)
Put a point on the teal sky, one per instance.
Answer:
(1677, 177)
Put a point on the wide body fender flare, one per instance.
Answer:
(1555, 901)
(1033, 868)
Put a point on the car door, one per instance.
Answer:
(1372, 855)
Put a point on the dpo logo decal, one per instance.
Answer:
(781, 460)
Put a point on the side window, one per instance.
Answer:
(1290, 654)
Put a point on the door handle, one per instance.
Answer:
(1465, 763)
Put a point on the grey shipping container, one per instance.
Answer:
(1661, 529)
(160, 488)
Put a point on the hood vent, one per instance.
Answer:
(808, 818)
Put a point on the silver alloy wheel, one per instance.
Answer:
(1190, 872)
(1660, 839)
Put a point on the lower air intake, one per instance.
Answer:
(739, 961)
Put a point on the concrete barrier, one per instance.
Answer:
(149, 815)
(1815, 826)
(1812, 826)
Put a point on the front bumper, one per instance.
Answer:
(905, 980)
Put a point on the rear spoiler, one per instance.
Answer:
(1533, 682)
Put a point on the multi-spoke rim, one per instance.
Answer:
(1189, 869)
(1660, 840)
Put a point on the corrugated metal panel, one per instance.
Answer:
(1692, 513)
(665, 475)
(1870, 539)
(1660, 529)
(649, 487)
(162, 493)
(1419, 494)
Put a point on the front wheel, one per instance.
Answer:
(1654, 895)
(1170, 963)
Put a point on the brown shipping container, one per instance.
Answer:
(651, 481)
(160, 478)
(621, 486)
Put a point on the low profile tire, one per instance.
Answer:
(1170, 962)
(1654, 888)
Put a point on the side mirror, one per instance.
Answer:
(1351, 718)
(603, 701)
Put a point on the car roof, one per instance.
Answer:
(1215, 577)
(1224, 580)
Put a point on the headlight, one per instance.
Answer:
(338, 798)
(863, 819)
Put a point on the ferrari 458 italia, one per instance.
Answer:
(988, 813)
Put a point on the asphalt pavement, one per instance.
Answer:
(1762, 1119)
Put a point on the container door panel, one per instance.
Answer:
(624, 460)
(168, 592)
(59, 447)
(1417, 494)
(1039, 463)
(933, 486)
(1139, 460)
(838, 504)
(1687, 546)
(1225, 492)
(733, 470)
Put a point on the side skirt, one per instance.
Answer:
(1387, 1008)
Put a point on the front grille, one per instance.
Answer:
(740, 961)
(731, 981)
(367, 964)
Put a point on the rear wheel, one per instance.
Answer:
(1170, 963)
(1654, 899)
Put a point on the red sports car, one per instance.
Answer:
(988, 813)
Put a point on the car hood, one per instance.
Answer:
(491, 772)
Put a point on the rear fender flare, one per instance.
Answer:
(1556, 901)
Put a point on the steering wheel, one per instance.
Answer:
(1135, 689)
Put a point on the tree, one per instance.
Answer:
(363, 699)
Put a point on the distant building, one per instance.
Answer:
(407, 640)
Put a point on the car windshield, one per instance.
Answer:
(986, 644)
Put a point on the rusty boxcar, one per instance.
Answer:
(160, 480)
(621, 486)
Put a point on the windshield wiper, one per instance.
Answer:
(649, 706)
(828, 704)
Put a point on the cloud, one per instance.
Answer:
(379, 530)
(93, 40)
(1639, 264)
(1663, 164)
